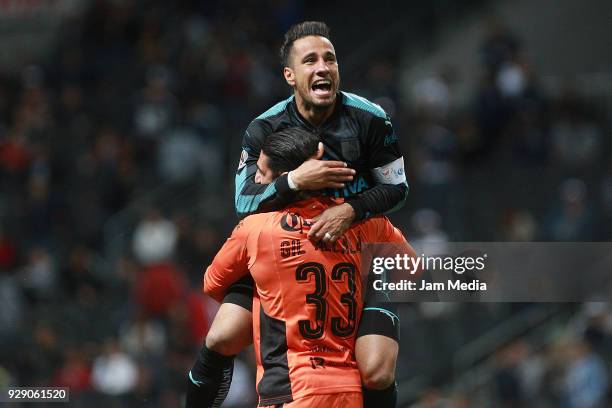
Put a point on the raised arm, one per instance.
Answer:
(229, 265)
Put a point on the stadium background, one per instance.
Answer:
(120, 127)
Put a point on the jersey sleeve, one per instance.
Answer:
(251, 197)
(230, 263)
(387, 168)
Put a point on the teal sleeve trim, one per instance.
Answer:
(362, 103)
(194, 381)
(246, 204)
(385, 311)
(279, 107)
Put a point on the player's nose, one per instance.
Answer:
(322, 67)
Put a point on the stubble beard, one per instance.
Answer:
(310, 105)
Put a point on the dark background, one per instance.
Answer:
(120, 130)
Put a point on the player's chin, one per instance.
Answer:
(323, 101)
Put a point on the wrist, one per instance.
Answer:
(290, 180)
(350, 212)
(359, 213)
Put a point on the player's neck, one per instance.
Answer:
(313, 114)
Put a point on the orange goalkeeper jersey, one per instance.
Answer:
(308, 300)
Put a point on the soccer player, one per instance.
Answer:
(309, 295)
(361, 164)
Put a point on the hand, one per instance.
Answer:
(316, 174)
(333, 221)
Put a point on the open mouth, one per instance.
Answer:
(322, 87)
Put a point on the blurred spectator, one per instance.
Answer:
(143, 337)
(434, 158)
(586, 379)
(114, 372)
(509, 390)
(39, 275)
(183, 157)
(156, 109)
(12, 306)
(512, 79)
(499, 45)
(429, 238)
(75, 372)
(188, 322)
(518, 226)
(572, 217)
(154, 238)
(8, 252)
(158, 288)
(79, 271)
(576, 139)
(432, 95)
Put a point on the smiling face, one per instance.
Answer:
(313, 73)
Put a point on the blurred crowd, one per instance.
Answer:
(116, 169)
(517, 162)
(116, 184)
(566, 366)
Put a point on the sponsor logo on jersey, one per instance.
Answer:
(356, 186)
(243, 158)
(350, 149)
(317, 362)
(320, 362)
(292, 222)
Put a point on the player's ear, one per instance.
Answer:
(289, 76)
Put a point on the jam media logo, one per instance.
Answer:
(317, 362)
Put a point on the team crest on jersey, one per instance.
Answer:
(350, 149)
(243, 158)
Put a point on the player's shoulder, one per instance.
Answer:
(276, 110)
(253, 222)
(362, 105)
(376, 227)
(266, 123)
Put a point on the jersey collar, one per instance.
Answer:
(337, 108)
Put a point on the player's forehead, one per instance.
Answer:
(312, 44)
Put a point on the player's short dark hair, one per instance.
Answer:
(298, 31)
(289, 148)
